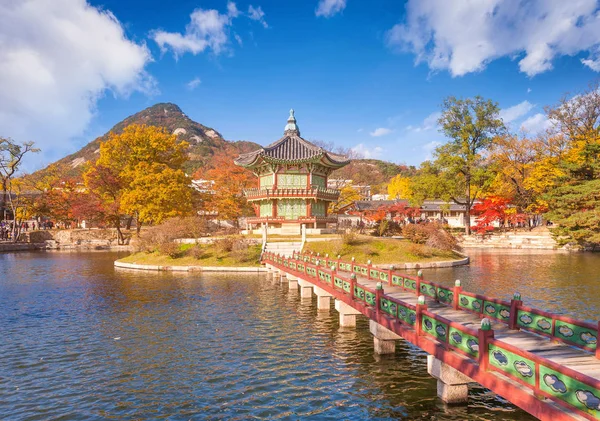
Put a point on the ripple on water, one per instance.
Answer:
(82, 341)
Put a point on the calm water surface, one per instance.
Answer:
(80, 340)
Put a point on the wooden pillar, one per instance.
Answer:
(456, 293)
(484, 334)
(515, 303)
(420, 307)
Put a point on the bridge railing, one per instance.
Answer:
(567, 387)
(570, 331)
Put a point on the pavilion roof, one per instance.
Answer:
(291, 148)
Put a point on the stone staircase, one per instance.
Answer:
(538, 239)
(284, 248)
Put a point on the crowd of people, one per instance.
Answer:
(7, 227)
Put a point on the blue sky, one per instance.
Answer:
(364, 75)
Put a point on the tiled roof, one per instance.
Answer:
(293, 148)
(371, 205)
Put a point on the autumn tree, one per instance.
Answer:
(227, 182)
(461, 168)
(575, 198)
(139, 173)
(11, 158)
(348, 195)
(399, 188)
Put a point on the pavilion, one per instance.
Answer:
(292, 183)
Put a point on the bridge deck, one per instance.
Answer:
(563, 354)
(553, 376)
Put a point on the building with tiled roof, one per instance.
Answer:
(292, 182)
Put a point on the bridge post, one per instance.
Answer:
(369, 265)
(347, 314)
(419, 279)
(456, 293)
(420, 307)
(323, 299)
(384, 340)
(292, 283)
(452, 385)
(352, 285)
(378, 295)
(305, 288)
(515, 303)
(484, 334)
(390, 271)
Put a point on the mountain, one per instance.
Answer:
(204, 141)
(373, 172)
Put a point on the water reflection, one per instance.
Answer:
(82, 341)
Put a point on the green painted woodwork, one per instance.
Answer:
(338, 282)
(445, 295)
(319, 181)
(266, 209)
(383, 276)
(301, 267)
(407, 315)
(374, 273)
(434, 327)
(291, 208)
(388, 306)
(397, 280)
(359, 293)
(346, 286)
(571, 391)
(508, 362)
(534, 322)
(428, 290)
(266, 181)
(291, 181)
(584, 337)
(464, 341)
(410, 284)
(470, 303)
(497, 311)
(319, 208)
(370, 298)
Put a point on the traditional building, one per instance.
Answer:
(292, 182)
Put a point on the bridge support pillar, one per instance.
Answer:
(323, 299)
(305, 288)
(384, 340)
(293, 283)
(452, 385)
(347, 314)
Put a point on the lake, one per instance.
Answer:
(83, 341)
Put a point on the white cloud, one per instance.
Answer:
(430, 122)
(536, 124)
(516, 111)
(208, 30)
(194, 83)
(257, 14)
(238, 39)
(328, 8)
(429, 148)
(464, 36)
(528, 90)
(57, 59)
(380, 131)
(366, 152)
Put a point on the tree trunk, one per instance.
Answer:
(129, 221)
(138, 227)
(4, 190)
(468, 207)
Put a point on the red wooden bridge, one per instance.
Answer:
(546, 364)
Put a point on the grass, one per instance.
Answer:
(381, 250)
(210, 256)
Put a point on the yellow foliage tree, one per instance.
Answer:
(399, 188)
(139, 174)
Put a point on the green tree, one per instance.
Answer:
(460, 171)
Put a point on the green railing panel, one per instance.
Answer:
(428, 290)
(370, 298)
(534, 321)
(445, 295)
(496, 310)
(383, 276)
(389, 307)
(397, 280)
(508, 362)
(328, 278)
(363, 271)
(570, 390)
(374, 273)
(435, 328)
(464, 341)
(338, 282)
(356, 269)
(407, 315)
(410, 284)
(346, 286)
(359, 293)
(470, 303)
(581, 336)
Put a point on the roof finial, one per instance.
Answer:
(291, 127)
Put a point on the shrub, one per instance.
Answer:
(351, 238)
(197, 252)
(153, 237)
(173, 250)
(432, 234)
(420, 250)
